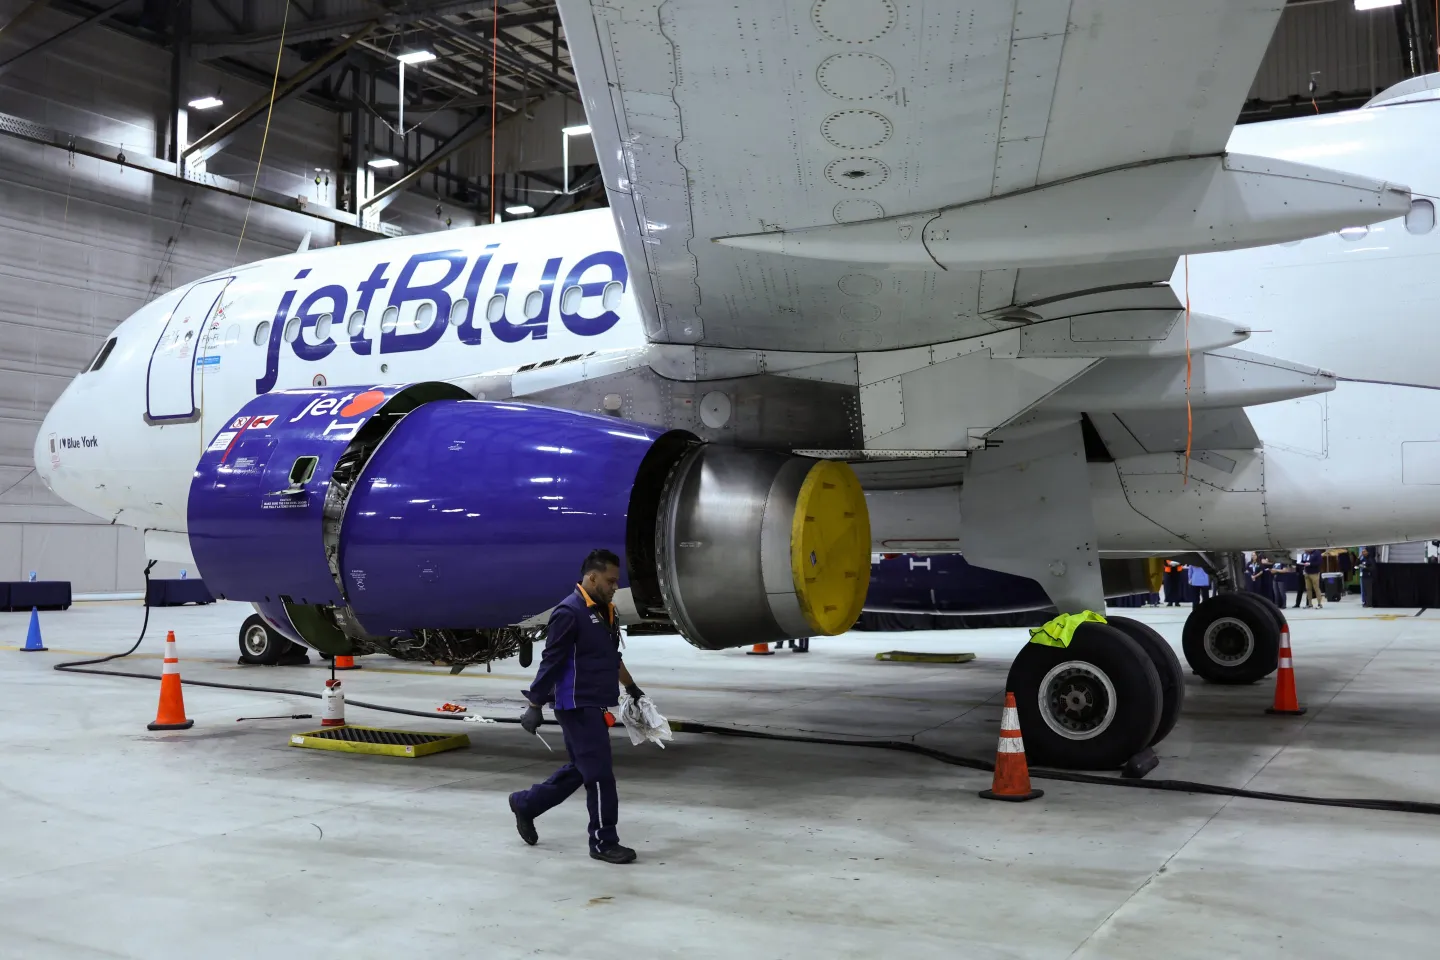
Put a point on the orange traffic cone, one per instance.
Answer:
(1012, 775)
(171, 715)
(760, 650)
(346, 663)
(1286, 700)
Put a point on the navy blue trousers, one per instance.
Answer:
(587, 741)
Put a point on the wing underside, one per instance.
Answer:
(719, 120)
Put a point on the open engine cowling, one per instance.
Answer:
(418, 521)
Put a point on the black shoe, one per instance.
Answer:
(614, 854)
(524, 825)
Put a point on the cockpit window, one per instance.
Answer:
(101, 355)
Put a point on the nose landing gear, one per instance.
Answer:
(261, 645)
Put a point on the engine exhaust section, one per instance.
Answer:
(416, 521)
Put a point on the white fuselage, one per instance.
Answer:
(1359, 464)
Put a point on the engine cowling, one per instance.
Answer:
(415, 520)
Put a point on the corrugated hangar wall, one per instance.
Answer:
(84, 243)
(1333, 42)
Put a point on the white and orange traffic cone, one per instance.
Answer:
(345, 663)
(1287, 702)
(171, 714)
(1012, 774)
(760, 650)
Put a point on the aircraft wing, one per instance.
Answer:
(862, 175)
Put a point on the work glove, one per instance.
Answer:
(531, 718)
(634, 691)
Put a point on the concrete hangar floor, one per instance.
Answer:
(222, 841)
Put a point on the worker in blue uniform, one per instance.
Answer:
(580, 675)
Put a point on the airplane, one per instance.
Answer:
(751, 372)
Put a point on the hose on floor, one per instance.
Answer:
(903, 746)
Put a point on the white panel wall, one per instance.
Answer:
(83, 243)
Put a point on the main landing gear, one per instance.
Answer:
(261, 645)
(1234, 638)
(1114, 691)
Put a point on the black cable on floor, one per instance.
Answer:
(903, 746)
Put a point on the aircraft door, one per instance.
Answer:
(170, 382)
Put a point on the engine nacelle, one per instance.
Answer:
(418, 521)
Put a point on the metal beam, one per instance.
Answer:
(23, 129)
(209, 46)
(24, 16)
(69, 31)
(226, 15)
(461, 137)
(179, 79)
(213, 141)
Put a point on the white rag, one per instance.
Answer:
(643, 722)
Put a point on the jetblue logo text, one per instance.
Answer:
(487, 299)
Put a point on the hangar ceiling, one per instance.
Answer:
(504, 66)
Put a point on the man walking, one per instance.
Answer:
(580, 675)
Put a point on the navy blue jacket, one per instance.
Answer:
(581, 663)
(1313, 560)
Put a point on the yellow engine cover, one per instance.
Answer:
(830, 548)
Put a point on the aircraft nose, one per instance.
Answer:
(46, 451)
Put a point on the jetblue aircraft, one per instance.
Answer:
(401, 446)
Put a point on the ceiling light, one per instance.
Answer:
(382, 163)
(520, 210)
(1375, 4)
(421, 56)
(581, 130)
(206, 103)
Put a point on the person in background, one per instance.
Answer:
(1264, 578)
(1366, 566)
(1199, 585)
(1311, 562)
(1174, 583)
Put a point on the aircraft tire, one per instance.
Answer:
(259, 644)
(1167, 665)
(1233, 639)
(1089, 706)
(527, 653)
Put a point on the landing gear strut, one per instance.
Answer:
(1233, 638)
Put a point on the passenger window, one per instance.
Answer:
(389, 319)
(1421, 218)
(533, 301)
(611, 296)
(102, 355)
(322, 327)
(570, 299)
(356, 323)
(495, 309)
(292, 330)
(262, 333)
(424, 316)
(459, 313)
